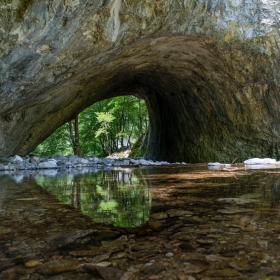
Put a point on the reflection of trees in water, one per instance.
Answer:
(120, 196)
(3, 189)
(276, 191)
(76, 194)
(265, 184)
(271, 192)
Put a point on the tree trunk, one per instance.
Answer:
(74, 135)
(77, 137)
(108, 150)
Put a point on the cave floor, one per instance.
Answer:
(201, 224)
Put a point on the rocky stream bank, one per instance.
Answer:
(69, 162)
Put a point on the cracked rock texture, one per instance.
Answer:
(208, 70)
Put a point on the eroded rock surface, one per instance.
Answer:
(208, 71)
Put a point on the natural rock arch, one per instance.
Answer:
(207, 70)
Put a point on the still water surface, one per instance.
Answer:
(224, 207)
(123, 197)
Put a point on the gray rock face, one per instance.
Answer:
(208, 70)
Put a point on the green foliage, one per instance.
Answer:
(112, 197)
(104, 120)
(111, 125)
(23, 6)
(57, 144)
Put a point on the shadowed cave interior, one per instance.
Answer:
(199, 107)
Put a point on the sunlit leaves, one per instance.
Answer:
(107, 126)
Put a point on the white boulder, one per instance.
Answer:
(144, 162)
(47, 164)
(252, 161)
(17, 158)
(83, 161)
(219, 164)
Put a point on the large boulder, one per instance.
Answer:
(208, 70)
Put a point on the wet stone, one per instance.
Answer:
(66, 239)
(103, 264)
(249, 229)
(233, 210)
(31, 264)
(119, 255)
(207, 231)
(191, 221)
(240, 265)
(180, 236)
(168, 246)
(24, 271)
(58, 266)
(156, 224)
(101, 258)
(252, 195)
(274, 273)
(259, 256)
(186, 246)
(88, 253)
(5, 264)
(223, 264)
(108, 244)
(214, 258)
(234, 200)
(233, 229)
(107, 273)
(5, 231)
(205, 241)
(227, 272)
(195, 266)
(105, 235)
(142, 247)
(153, 269)
(140, 255)
(174, 227)
(178, 212)
(159, 216)
(220, 218)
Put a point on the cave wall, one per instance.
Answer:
(208, 70)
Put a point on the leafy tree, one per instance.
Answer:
(105, 120)
(105, 127)
(57, 144)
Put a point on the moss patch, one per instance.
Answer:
(23, 6)
(140, 147)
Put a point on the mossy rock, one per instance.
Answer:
(140, 147)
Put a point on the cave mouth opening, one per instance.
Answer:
(195, 101)
(179, 80)
(117, 125)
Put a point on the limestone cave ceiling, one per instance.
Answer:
(208, 71)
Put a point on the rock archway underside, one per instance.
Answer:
(207, 69)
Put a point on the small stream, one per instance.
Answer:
(175, 222)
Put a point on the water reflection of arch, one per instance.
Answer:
(118, 196)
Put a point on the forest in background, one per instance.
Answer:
(106, 127)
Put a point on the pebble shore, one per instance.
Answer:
(69, 162)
